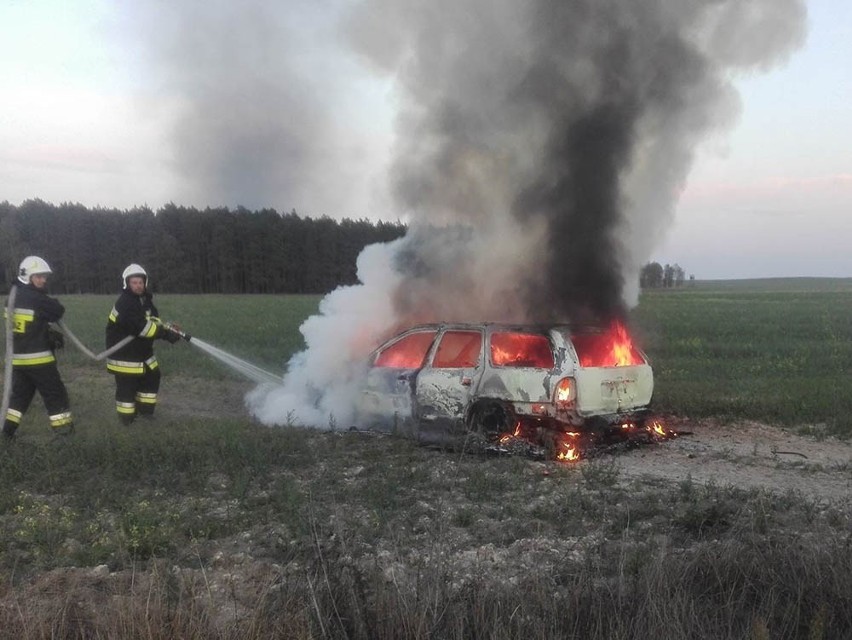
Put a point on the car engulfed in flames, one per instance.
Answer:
(550, 387)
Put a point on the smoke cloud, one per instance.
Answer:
(578, 115)
(541, 147)
(259, 96)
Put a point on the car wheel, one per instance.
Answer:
(491, 420)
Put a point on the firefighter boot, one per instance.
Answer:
(65, 430)
(9, 429)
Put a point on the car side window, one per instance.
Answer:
(406, 353)
(513, 349)
(458, 350)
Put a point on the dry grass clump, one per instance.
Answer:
(734, 587)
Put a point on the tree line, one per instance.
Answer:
(656, 276)
(186, 250)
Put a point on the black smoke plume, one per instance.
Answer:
(561, 131)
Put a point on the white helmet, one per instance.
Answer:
(133, 270)
(32, 266)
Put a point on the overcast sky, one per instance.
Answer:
(94, 110)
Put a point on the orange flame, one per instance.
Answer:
(612, 349)
(517, 434)
(510, 349)
(571, 452)
(657, 428)
(622, 346)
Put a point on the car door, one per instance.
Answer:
(446, 382)
(387, 400)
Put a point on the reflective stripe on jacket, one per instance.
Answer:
(32, 359)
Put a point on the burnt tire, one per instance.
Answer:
(491, 420)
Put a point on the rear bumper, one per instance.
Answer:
(569, 418)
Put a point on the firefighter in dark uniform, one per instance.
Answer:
(134, 366)
(33, 345)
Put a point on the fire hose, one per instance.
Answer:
(250, 371)
(168, 326)
(7, 369)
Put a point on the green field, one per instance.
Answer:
(778, 351)
(204, 524)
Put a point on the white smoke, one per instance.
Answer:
(321, 383)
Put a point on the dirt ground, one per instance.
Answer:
(748, 455)
(744, 454)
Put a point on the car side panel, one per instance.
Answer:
(386, 402)
(442, 397)
(517, 385)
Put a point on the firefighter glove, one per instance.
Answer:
(171, 336)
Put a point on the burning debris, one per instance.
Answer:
(572, 446)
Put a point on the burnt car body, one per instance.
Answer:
(439, 381)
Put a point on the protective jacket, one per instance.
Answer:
(34, 310)
(136, 316)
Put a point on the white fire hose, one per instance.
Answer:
(85, 349)
(7, 369)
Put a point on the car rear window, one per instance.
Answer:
(458, 349)
(608, 349)
(406, 353)
(513, 349)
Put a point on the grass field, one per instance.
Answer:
(204, 524)
(779, 351)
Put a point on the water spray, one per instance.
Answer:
(250, 371)
(247, 369)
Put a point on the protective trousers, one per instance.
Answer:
(136, 393)
(44, 379)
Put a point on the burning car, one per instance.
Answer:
(437, 382)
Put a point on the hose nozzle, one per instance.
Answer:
(170, 326)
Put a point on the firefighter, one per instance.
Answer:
(33, 345)
(134, 366)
